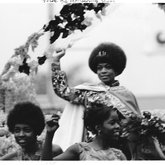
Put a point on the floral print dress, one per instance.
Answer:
(87, 152)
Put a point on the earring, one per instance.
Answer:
(97, 128)
(98, 131)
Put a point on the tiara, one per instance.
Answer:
(102, 53)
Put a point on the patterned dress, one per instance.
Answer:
(84, 96)
(19, 154)
(87, 152)
(88, 94)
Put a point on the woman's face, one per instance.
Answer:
(111, 128)
(24, 135)
(105, 73)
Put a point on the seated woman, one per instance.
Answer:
(101, 120)
(108, 61)
(26, 121)
(145, 136)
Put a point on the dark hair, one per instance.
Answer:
(110, 53)
(26, 113)
(96, 115)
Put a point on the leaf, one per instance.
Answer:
(55, 36)
(99, 7)
(34, 45)
(52, 25)
(41, 60)
(24, 69)
(65, 33)
(147, 114)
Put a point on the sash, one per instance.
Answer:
(118, 97)
(71, 122)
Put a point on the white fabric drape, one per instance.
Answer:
(71, 126)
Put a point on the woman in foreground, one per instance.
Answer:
(101, 120)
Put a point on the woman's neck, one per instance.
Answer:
(32, 148)
(112, 83)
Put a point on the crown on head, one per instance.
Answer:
(102, 53)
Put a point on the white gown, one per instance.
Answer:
(71, 126)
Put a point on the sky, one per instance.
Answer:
(133, 26)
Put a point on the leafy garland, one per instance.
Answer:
(72, 17)
(17, 78)
(145, 126)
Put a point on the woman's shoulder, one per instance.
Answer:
(83, 144)
(56, 150)
(122, 89)
(81, 147)
(90, 86)
(75, 149)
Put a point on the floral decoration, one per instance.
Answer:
(72, 17)
(16, 80)
(145, 125)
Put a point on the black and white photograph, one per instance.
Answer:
(82, 80)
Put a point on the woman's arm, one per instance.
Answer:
(60, 84)
(56, 150)
(47, 147)
(48, 152)
(72, 153)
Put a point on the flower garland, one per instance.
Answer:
(145, 126)
(16, 80)
(72, 17)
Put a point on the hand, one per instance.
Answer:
(58, 55)
(52, 124)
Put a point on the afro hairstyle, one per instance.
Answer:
(96, 115)
(26, 113)
(113, 54)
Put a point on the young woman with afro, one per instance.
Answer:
(107, 60)
(26, 122)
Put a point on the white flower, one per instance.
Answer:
(11, 72)
(49, 51)
(22, 50)
(20, 76)
(15, 60)
(89, 17)
(99, 15)
(33, 65)
(104, 9)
